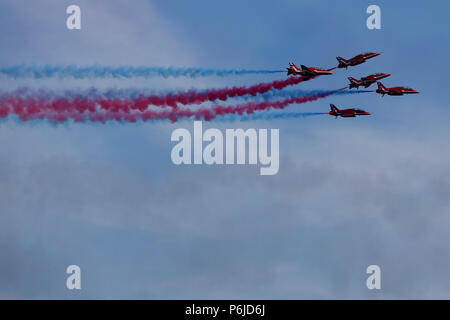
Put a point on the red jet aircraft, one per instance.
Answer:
(394, 91)
(347, 113)
(360, 58)
(305, 71)
(367, 81)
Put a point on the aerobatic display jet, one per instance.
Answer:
(394, 91)
(305, 71)
(360, 58)
(347, 113)
(367, 81)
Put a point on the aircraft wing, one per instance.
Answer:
(307, 70)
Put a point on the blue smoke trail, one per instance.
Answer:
(277, 94)
(73, 71)
(266, 116)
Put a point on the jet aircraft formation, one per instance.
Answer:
(131, 105)
(310, 72)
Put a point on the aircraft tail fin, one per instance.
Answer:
(293, 69)
(381, 86)
(354, 83)
(340, 59)
(333, 107)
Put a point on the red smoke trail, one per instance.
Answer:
(61, 112)
(142, 103)
(195, 97)
(250, 107)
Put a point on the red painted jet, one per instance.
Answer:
(347, 113)
(367, 81)
(305, 71)
(360, 58)
(394, 91)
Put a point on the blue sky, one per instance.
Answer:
(349, 193)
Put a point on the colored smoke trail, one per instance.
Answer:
(251, 107)
(195, 97)
(134, 93)
(267, 116)
(299, 93)
(142, 102)
(126, 72)
(277, 115)
(62, 111)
